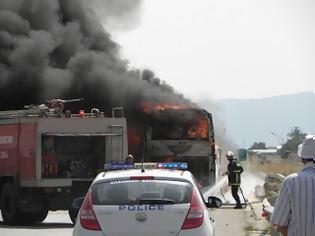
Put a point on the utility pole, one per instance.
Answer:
(280, 139)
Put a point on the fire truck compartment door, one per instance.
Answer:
(8, 149)
(80, 134)
(114, 141)
(27, 151)
(114, 144)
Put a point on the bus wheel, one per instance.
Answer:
(9, 205)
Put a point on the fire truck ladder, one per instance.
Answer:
(52, 108)
(32, 112)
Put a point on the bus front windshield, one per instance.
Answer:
(180, 124)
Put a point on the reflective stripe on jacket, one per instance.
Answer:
(234, 172)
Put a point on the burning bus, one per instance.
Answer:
(179, 133)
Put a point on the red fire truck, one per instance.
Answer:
(49, 157)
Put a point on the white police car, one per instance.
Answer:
(155, 200)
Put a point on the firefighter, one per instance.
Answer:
(129, 159)
(234, 171)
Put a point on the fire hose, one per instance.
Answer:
(230, 204)
(246, 201)
(249, 203)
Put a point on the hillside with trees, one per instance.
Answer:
(267, 120)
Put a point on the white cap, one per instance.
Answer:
(306, 150)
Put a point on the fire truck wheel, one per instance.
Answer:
(73, 215)
(30, 218)
(40, 216)
(9, 205)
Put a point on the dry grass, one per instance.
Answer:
(250, 227)
(274, 165)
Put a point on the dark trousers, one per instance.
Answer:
(235, 195)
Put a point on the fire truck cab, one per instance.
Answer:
(49, 157)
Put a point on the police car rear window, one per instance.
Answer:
(135, 192)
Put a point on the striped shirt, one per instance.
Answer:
(295, 206)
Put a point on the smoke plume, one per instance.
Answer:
(59, 48)
(117, 15)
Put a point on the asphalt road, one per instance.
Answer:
(59, 224)
(229, 222)
(56, 224)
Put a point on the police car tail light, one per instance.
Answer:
(87, 217)
(141, 177)
(195, 214)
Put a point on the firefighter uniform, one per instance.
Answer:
(234, 170)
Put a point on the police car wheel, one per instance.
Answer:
(9, 205)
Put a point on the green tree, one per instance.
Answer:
(295, 137)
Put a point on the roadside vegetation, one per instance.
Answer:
(274, 165)
(285, 161)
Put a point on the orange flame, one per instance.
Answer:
(169, 159)
(134, 143)
(197, 130)
(133, 137)
(200, 129)
(148, 108)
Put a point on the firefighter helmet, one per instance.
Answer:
(306, 150)
(129, 159)
(229, 155)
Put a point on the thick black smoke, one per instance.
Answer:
(58, 48)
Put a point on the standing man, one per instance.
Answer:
(294, 211)
(234, 171)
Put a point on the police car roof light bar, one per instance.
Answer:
(146, 165)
